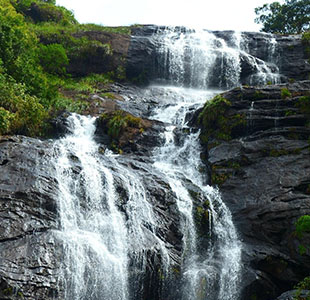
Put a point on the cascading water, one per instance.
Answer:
(107, 233)
(198, 58)
(92, 229)
(215, 275)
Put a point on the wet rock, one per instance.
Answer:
(59, 125)
(291, 295)
(263, 173)
(28, 261)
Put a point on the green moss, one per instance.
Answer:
(118, 120)
(8, 291)
(108, 95)
(221, 172)
(121, 127)
(302, 249)
(302, 225)
(285, 93)
(290, 113)
(216, 122)
(258, 95)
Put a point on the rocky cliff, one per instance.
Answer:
(261, 164)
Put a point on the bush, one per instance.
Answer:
(5, 120)
(53, 59)
(44, 11)
(21, 113)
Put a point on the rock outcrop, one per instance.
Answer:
(262, 166)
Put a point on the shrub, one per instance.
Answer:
(53, 59)
(5, 120)
(300, 287)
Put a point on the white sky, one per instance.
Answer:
(209, 14)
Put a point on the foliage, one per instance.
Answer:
(306, 43)
(301, 286)
(20, 112)
(53, 59)
(44, 11)
(5, 120)
(285, 93)
(302, 225)
(118, 120)
(37, 41)
(18, 52)
(291, 17)
(119, 29)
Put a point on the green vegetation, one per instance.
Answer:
(216, 122)
(301, 286)
(202, 216)
(291, 17)
(121, 127)
(118, 120)
(285, 93)
(303, 103)
(38, 40)
(303, 225)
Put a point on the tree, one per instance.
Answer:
(291, 17)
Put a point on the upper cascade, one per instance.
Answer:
(199, 58)
(211, 59)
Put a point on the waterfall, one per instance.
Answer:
(99, 240)
(200, 58)
(92, 229)
(110, 228)
(217, 274)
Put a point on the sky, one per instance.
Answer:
(235, 15)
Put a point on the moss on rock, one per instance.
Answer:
(216, 121)
(122, 127)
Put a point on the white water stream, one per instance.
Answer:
(217, 274)
(92, 228)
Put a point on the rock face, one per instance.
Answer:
(263, 170)
(29, 259)
(31, 249)
(257, 53)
